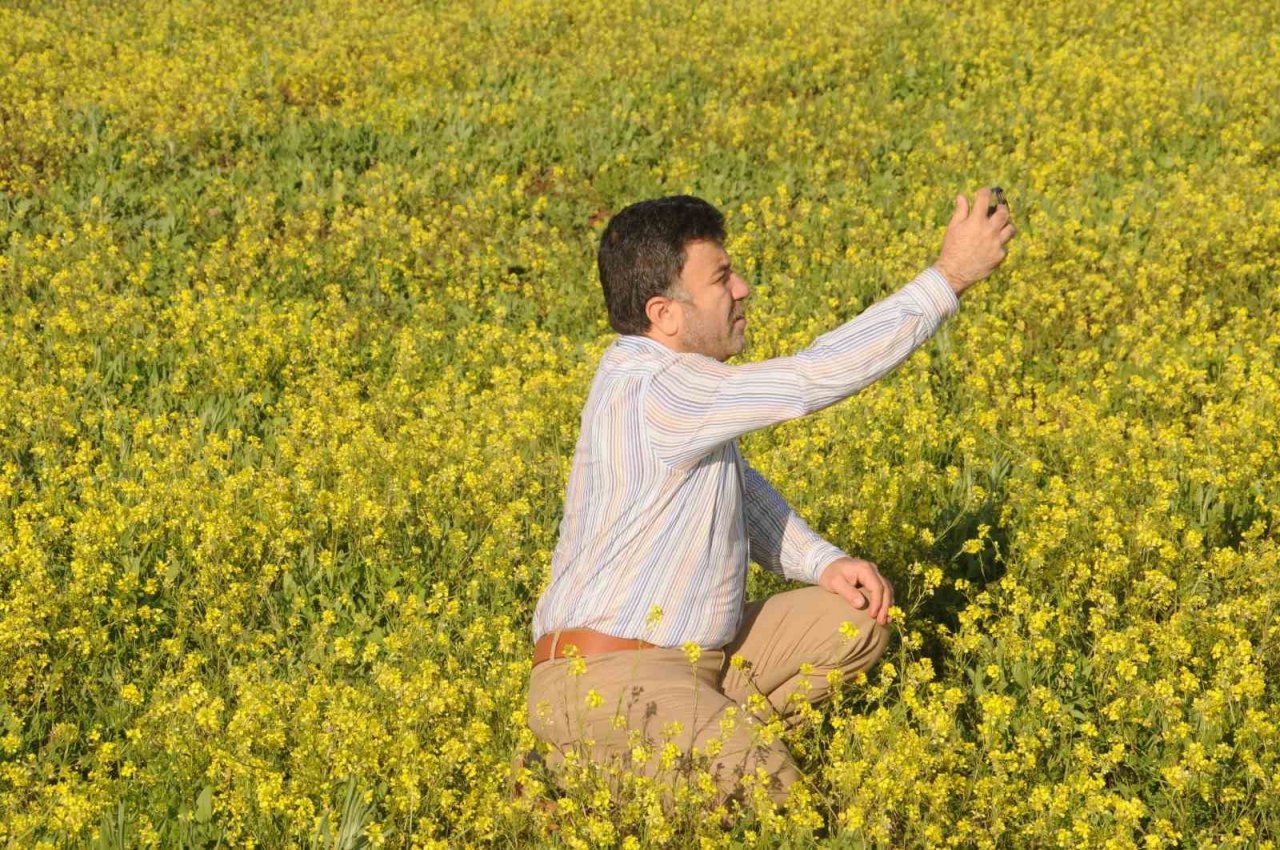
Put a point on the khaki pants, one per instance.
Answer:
(630, 698)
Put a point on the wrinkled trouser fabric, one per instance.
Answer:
(649, 689)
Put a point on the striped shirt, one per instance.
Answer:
(662, 510)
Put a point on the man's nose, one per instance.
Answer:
(740, 288)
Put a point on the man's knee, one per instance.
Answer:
(860, 652)
(857, 640)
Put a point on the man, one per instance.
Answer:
(636, 634)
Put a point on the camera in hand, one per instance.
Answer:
(999, 196)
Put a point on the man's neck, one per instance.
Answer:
(669, 342)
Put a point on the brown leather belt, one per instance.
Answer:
(588, 641)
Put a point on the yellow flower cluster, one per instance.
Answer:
(298, 311)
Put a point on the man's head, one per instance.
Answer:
(666, 275)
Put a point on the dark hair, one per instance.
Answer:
(642, 252)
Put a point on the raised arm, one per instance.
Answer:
(699, 403)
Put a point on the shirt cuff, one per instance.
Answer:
(937, 294)
(820, 554)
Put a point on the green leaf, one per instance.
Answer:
(204, 804)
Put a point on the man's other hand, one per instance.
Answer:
(974, 242)
(861, 585)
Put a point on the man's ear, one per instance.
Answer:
(663, 314)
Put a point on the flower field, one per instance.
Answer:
(299, 308)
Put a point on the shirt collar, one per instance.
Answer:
(642, 342)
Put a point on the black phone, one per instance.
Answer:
(999, 193)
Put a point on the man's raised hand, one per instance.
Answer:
(974, 243)
(861, 585)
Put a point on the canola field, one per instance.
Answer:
(298, 310)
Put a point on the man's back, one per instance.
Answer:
(638, 532)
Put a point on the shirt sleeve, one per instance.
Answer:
(777, 538)
(698, 403)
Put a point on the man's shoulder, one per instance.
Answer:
(623, 374)
(641, 347)
(633, 356)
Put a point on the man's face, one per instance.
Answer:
(708, 305)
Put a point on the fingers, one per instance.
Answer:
(860, 584)
(881, 613)
(877, 588)
(962, 209)
(1006, 232)
(1000, 217)
(983, 199)
(872, 585)
(849, 593)
(888, 603)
